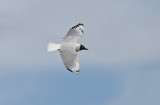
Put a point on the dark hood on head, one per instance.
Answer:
(83, 48)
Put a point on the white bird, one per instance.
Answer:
(69, 47)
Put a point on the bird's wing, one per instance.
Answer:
(74, 34)
(70, 59)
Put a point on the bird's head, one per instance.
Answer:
(82, 47)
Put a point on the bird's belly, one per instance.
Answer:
(68, 46)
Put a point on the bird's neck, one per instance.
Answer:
(78, 47)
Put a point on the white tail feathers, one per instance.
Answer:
(53, 47)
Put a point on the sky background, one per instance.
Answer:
(121, 67)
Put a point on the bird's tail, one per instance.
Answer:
(53, 47)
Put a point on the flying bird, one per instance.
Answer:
(69, 47)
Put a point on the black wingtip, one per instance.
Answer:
(77, 72)
(72, 71)
(81, 24)
(77, 25)
(69, 70)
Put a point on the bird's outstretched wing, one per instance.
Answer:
(70, 59)
(74, 34)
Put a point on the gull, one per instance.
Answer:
(69, 47)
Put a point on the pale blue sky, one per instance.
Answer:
(121, 67)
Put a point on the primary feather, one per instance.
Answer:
(74, 34)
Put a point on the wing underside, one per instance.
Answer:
(70, 59)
